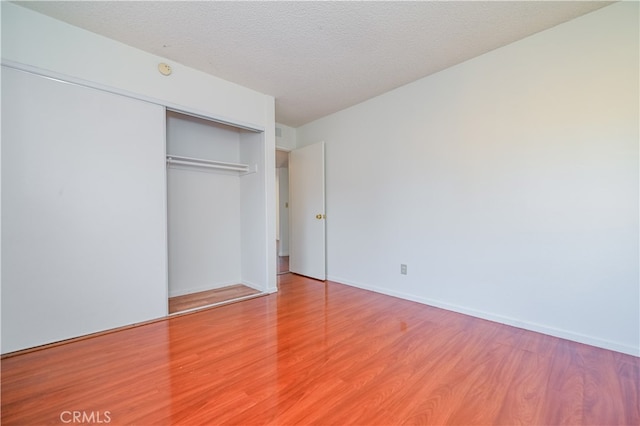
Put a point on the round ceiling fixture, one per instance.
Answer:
(165, 69)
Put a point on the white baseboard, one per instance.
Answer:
(526, 325)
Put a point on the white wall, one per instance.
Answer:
(204, 230)
(508, 184)
(194, 137)
(39, 43)
(287, 139)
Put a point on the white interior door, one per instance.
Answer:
(307, 211)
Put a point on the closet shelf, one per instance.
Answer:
(210, 164)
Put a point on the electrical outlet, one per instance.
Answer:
(403, 269)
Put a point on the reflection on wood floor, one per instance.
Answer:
(210, 297)
(323, 353)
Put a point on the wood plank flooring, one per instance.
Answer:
(283, 264)
(210, 297)
(322, 353)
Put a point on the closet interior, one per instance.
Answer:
(215, 212)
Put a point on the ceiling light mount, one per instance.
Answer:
(165, 69)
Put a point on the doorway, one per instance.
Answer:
(300, 211)
(282, 211)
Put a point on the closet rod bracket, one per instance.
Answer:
(253, 168)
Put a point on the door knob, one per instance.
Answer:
(319, 216)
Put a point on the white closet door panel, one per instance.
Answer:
(83, 211)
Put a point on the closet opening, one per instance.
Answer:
(215, 212)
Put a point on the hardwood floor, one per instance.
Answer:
(322, 353)
(210, 297)
(283, 264)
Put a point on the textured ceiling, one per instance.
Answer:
(316, 58)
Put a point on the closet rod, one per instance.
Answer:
(212, 164)
(209, 166)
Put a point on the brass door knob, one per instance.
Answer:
(318, 216)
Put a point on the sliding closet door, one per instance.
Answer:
(83, 211)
